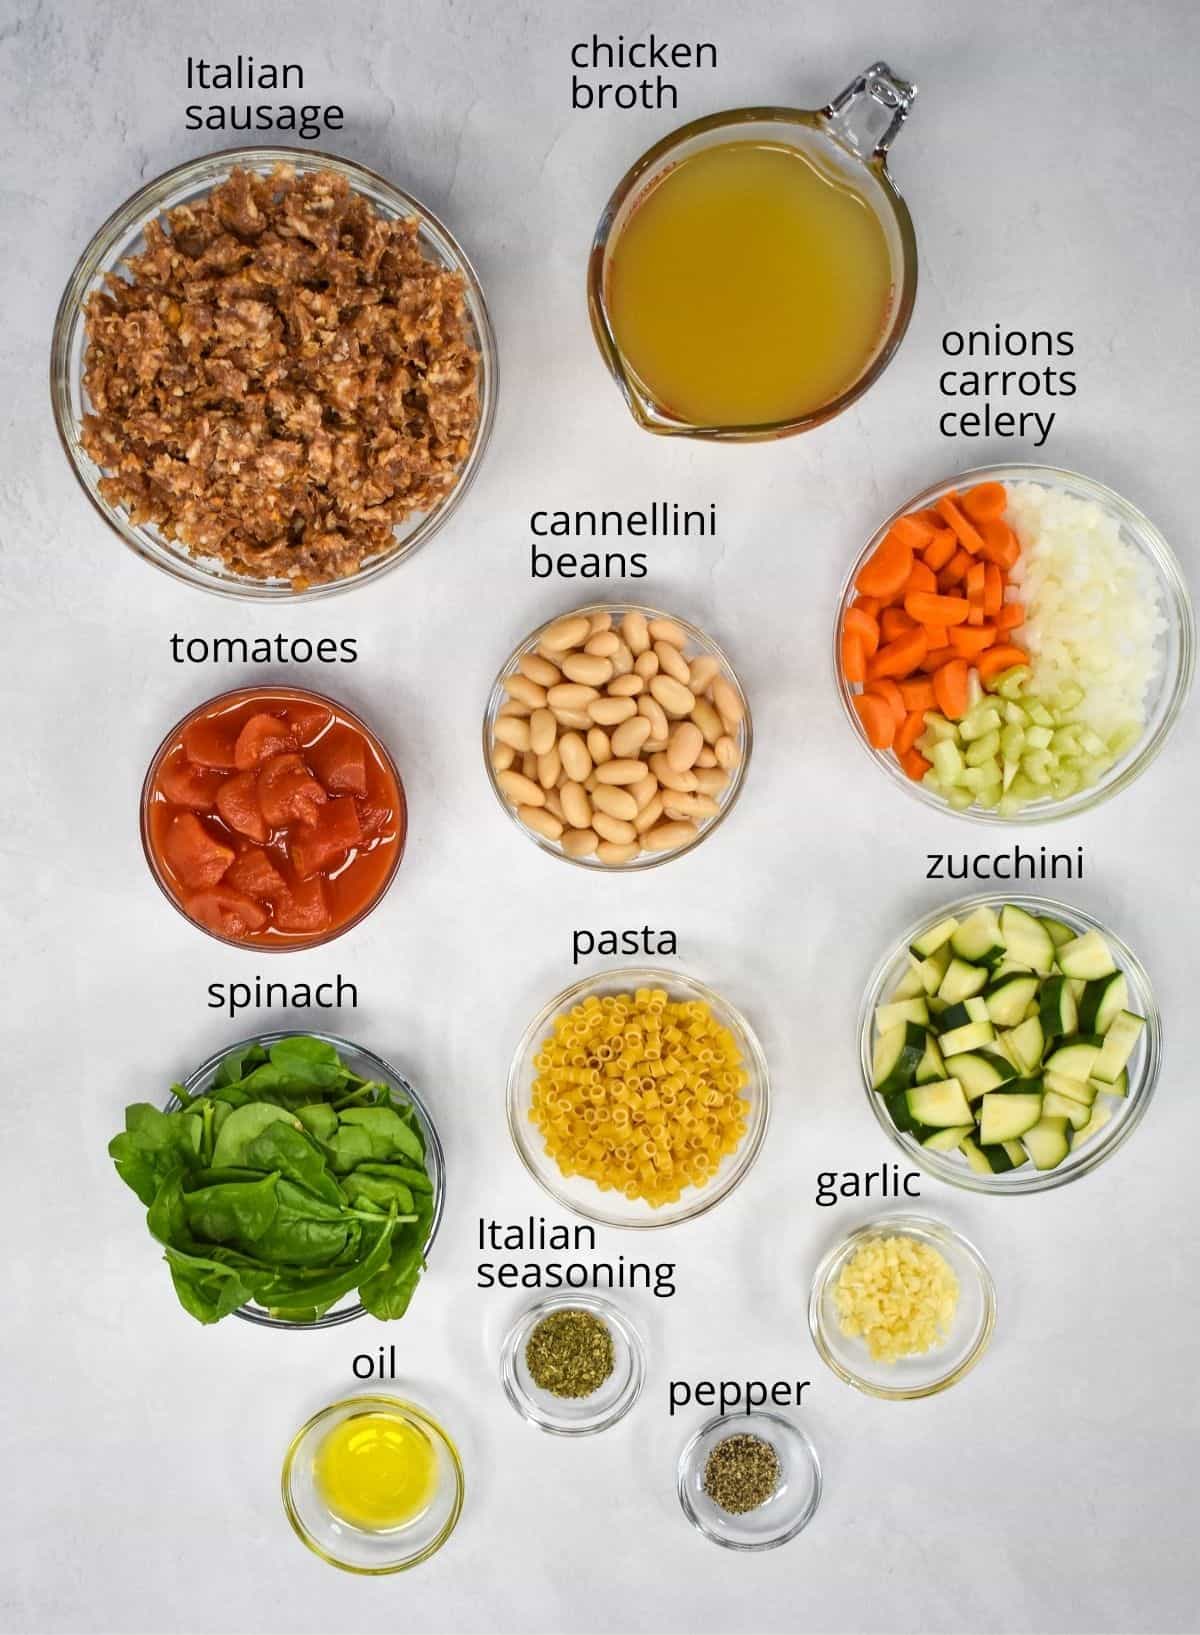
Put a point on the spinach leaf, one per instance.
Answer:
(388, 1132)
(377, 1189)
(241, 1128)
(147, 1150)
(207, 1290)
(306, 1231)
(415, 1179)
(318, 1118)
(294, 1154)
(233, 1211)
(350, 1146)
(234, 1067)
(388, 1292)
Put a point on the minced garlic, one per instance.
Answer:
(897, 1294)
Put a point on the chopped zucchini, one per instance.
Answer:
(979, 1071)
(1008, 997)
(933, 969)
(1076, 1058)
(1057, 931)
(939, 1105)
(1005, 1118)
(1026, 939)
(1102, 1002)
(1048, 1142)
(1056, 1105)
(967, 1010)
(1120, 1042)
(947, 1140)
(910, 985)
(931, 1067)
(974, 1036)
(986, 1160)
(901, 1010)
(979, 939)
(1118, 1087)
(1024, 1045)
(962, 981)
(1080, 1090)
(1087, 957)
(898, 1053)
(1100, 1117)
(930, 941)
(1057, 1009)
(1016, 1152)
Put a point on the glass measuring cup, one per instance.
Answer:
(850, 137)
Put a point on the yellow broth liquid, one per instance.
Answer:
(751, 285)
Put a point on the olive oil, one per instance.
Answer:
(376, 1471)
(751, 285)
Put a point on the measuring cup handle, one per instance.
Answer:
(867, 115)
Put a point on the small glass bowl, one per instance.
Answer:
(231, 700)
(933, 1371)
(123, 236)
(1127, 1111)
(368, 1066)
(699, 645)
(786, 1513)
(574, 1416)
(353, 1549)
(582, 1196)
(1178, 651)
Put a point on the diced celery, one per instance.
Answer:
(1064, 785)
(989, 796)
(974, 689)
(1023, 788)
(1015, 715)
(938, 726)
(983, 750)
(1036, 766)
(1008, 773)
(980, 777)
(947, 761)
(1091, 742)
(1010, 682)
(1012, 742)
(1065, 741)
(933, 783)
(1123, 740)
(1039, 714)
(979, 723)
(1038, 738)
(1069, 696)
(1010, 805)
(960, 799)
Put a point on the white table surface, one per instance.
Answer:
(1050, 166)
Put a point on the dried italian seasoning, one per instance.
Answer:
(741, 1473)
(569, 1353)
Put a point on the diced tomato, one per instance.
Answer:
(193, 854)
(253, 872)
(288, 792)
(210, 743)
(336, 830)
(237, 802)
(374, 820)
(303, 908)
(226, 911)
(186, 785)
(262, 737)
(307, 720)
(339, 759)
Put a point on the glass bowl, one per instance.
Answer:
(933, 1371)
(239, 695)
(786, 1513)
(122, 236)
(1177, 648)
(574, 1416)
(354, 1549)
(368, 1066)
(1127, 1111)
(700, 645)
(584, 1197)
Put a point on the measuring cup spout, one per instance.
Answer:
(868, 114)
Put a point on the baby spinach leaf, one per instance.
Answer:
(415, 1179)
(388, 1293)
(234, 1067)
(377, 1189)
(388, 1132)
(240, 1129)
(350, 1146)
(206, 1290)
(318, 1118)
(294, 1154)
(233, 1211)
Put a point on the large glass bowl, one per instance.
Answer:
(583, 1196)
(1177, 645)
(122, 236)
(699, 645)
(1127, 1111)
(368, 1066)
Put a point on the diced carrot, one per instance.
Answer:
(999, 543)
(339, 756)
(878, 722)
(193, 854)
(1011, 616)
(951, 688)
(867, 604)
(985, 502)
(970, 640)
(909, 730)
(854, 659)
(898, 658)
(935, 660)
(975, 581)
(940, 549)
(894, 621)
(928, 608)
(914, 764)
(857, 623)
(922, 577)
(887, 568)
(262, 736)
(936, 635)
(993, 590)
(890, 693)
(237, 802)
(913, 530)
(966, 533)
(918, 696)
(1000, 658)
(955, 570)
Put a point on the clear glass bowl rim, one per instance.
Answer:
(945, 1166)
(145, 203)
(1178, 607)
(392, 1075)
(902, 1225)
(742, 1160)
(304, 695)
(644, 860)
(608, 1312)
(408, 1410)
(803, 1440)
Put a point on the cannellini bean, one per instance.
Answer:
(591, 783)
(726, 751)
(553, 803)
(570, 632)
(674, 697)
(706, 757)
(545, 823)
(649, 815)
(576, 807)
(727, 701)
(529, 764)
(571, 695)
(635, 631)
(513, 707)
(598, 746)
(629, 737)
(503, 756)
(702, 670)
(580, 842)
(615, 803)
(672, 662)
(610, 712)
(515, 733)
(614, 829)
(525, 691)
(577, 763)
(665, 836)
(626, 686)
(652, 710)
(709, 722)
(599, 623)
(622, 660)
(710, 780)
(666, 774)
(539, 669)
(690, 806)
(548, 768)
(604, 645)
(666, 630)
(644, 790)
(573, 720)
(646, 664)
(583, 667)
(610, 853)
(543, 730)
(686, 743)
(519, 790)
(620, 771)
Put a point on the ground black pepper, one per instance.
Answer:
(741, 1473)
(569, 1353)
